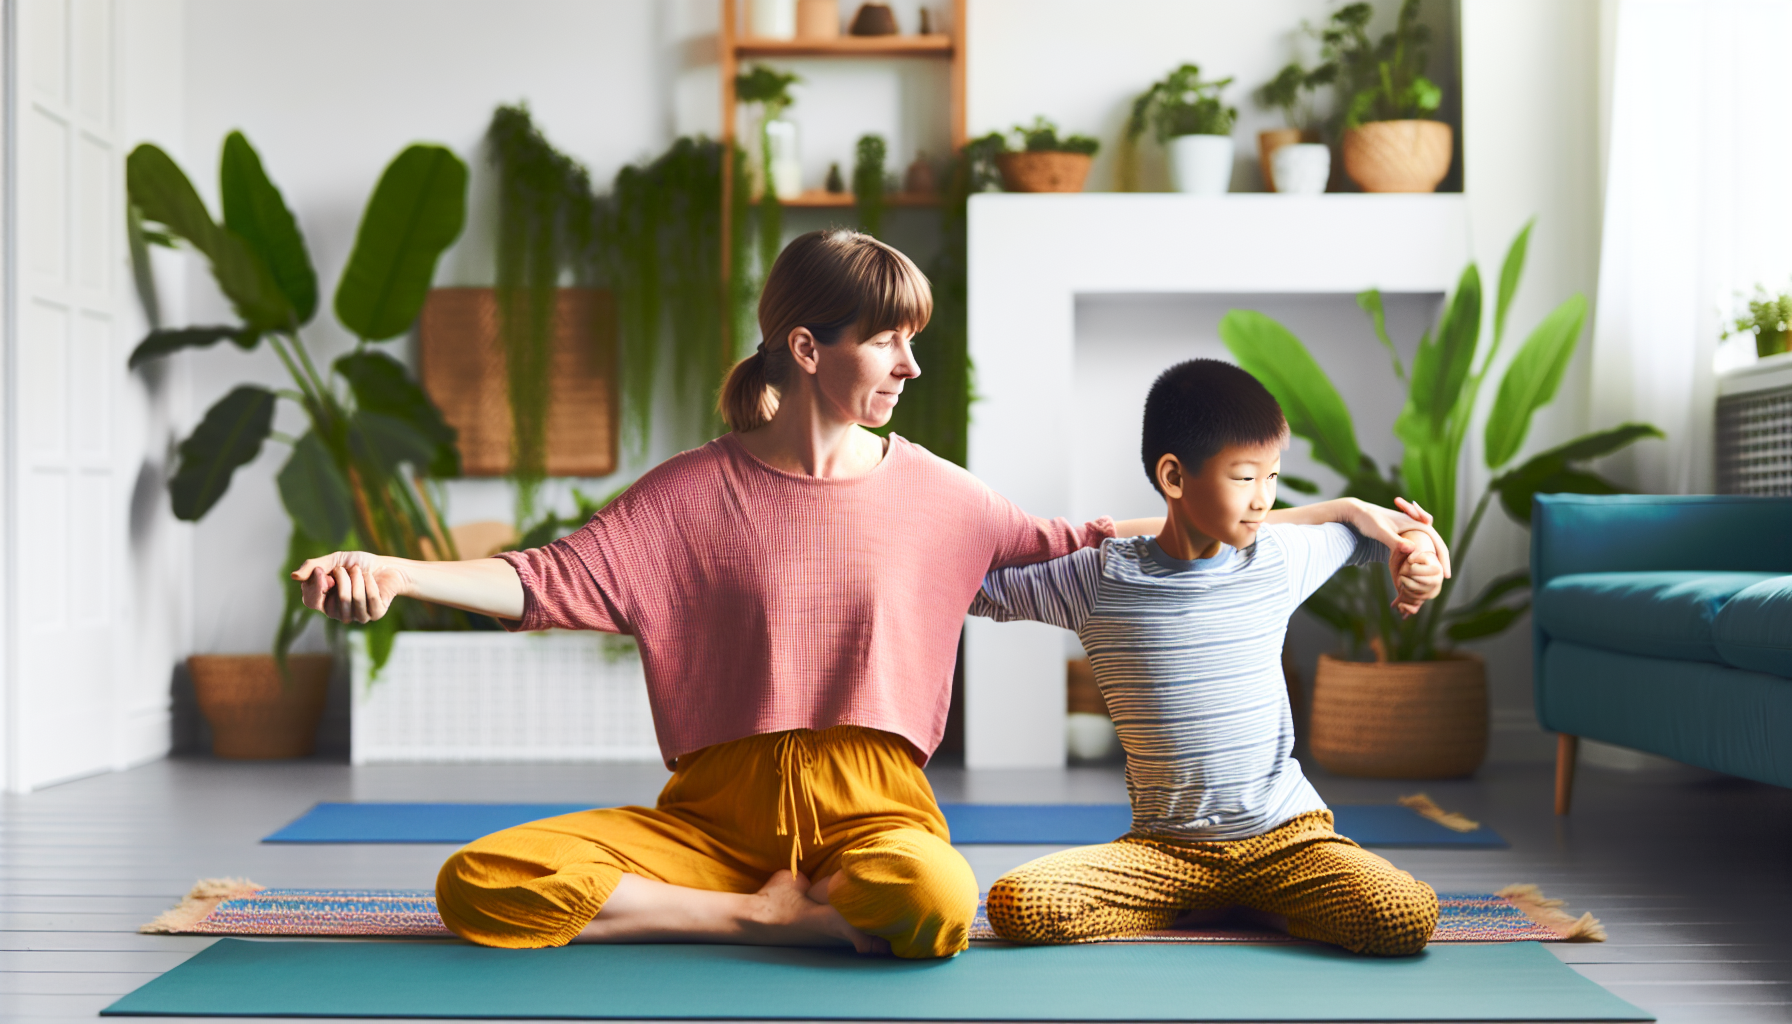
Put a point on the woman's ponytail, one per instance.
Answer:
(748, 399)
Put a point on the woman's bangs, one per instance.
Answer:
(896, 294)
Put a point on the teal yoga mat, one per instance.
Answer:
(1511, 982)
(1387, 825)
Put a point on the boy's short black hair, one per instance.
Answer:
(1198, 407)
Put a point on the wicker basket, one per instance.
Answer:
(1400, 720)
(1044, 171)
(1398, 156)
(254, 714)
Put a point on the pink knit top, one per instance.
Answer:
(764, 601)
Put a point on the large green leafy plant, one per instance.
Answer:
(352, 478)
(1443, 388)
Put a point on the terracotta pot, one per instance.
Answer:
(1400, 720)
(1398, 156)
(818, 19)
(1044, 172)
(1267, 144)
(254, 713)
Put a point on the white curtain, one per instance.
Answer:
(1698, 207)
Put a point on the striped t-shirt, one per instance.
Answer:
(1188, 658)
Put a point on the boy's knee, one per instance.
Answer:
(1021, 910)
(911, 889)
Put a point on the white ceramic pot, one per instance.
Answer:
(772, 19)
(1302, 169)
(1090, 737)
(1201, 164)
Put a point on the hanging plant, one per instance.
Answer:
(544, 227)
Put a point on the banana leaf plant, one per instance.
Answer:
(1443, 388)
(353, 477)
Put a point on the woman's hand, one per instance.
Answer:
(352, 586)
(1419, 577)
(1374, 522)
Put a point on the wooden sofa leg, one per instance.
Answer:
(1566, 748)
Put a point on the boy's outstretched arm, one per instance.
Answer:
(1382, 525)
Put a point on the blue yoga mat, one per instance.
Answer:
(1136, 982)
(1387, 825)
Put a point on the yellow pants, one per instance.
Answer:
(1327, 887)
(846, 800)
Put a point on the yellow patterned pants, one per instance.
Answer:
(846, 799)
(1325, 887)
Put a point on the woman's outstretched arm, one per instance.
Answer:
(356, 586)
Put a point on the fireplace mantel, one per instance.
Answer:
(1032, 255)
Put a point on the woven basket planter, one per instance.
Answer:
(1398, 156)
(1044, 172)
(1400, 720)
(254, 714)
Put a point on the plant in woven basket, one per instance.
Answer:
(1443, 388)
(1769, 319)
(355, 476)
(1042, 137)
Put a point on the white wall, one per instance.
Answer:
(329, 90)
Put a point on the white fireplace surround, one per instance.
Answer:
(1031, 256)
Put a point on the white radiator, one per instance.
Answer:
(497, 697)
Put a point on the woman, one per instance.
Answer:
(796, 587)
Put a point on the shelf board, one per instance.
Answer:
(816, 198)
(936, 45)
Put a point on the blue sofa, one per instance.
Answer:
(1664, 624)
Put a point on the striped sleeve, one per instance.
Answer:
(1059, 592)
(1315, 553)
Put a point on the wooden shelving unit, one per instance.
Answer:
(736, 47)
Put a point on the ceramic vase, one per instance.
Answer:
(1302, 169)
(1201, 164)
(772, 19)
(818, 19)
(1267, 144)
(787, 166)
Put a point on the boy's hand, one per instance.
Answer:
(1418, 574)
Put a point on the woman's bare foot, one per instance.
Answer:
(789, 911)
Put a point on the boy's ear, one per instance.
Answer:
(1169, 475)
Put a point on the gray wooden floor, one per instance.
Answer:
(1688, 871)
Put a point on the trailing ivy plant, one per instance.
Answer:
(1443, 386)
(350, 480)
(1380, 80)
(868, 184)
(1182, 103)
(545, 227)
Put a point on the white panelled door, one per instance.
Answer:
(65, 502)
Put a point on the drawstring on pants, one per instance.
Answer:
(795, 757)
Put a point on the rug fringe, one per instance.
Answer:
(1428, 808)
(201, 900)
(1549, 913)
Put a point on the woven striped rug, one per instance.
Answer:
(239, 907)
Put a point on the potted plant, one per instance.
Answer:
(1420, 710)
(1309, 161)
(1188, 118)
(1769, 319)
(351, 477)
(1389, 143)
(1041, 161)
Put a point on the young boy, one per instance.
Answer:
(1184, 632)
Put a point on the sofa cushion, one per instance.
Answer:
(1754, 628)
(1657, 614)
